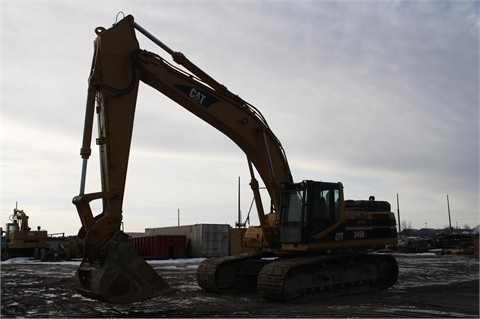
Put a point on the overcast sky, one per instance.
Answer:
(382, 96)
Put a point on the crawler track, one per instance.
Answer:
(232, 273)
(326, 276)
(285, 279)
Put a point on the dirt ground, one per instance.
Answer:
(428, 286)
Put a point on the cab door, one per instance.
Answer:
(292, 225)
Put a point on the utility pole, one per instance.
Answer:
(239, 224)
(398, 217)
(178, 217)
(239, 211)
(449, 219)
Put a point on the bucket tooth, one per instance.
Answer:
(119, 275)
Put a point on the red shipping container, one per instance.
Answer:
(160, 246)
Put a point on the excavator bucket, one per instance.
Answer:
(120, 275)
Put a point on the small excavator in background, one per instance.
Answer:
(311, 240)
(21, 241)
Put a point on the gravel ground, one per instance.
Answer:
(428, 286)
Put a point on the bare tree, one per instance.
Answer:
(406, 224)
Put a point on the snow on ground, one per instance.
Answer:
(417, 270)
(187, 262)
(30, 290)
(414, 269)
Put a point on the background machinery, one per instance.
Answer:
(20, 239)
(310, 240)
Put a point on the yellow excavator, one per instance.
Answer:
(311, 240)
(20, 239)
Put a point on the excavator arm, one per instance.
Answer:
(118, 66)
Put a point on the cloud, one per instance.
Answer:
(382, 96)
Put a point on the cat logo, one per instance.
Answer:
(197, 95)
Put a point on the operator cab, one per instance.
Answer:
(308, 208)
